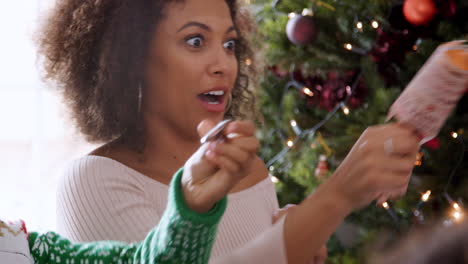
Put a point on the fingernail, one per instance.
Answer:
(209, 154)
(233, 135)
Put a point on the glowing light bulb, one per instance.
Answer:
(426, 196)
(290, 143)
(345, 110)
(248, 62)
(291, 15)
(454, 134)
(375, 24)
(293, 123)
(457, 215)
(385, 205)
(274, 179)
(348, 46)
(456, 206)
(359, 25)
(307, 91)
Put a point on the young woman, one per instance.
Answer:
(139, 76)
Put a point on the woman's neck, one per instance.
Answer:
(166, 149)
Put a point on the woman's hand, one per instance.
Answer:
(217, 166)
(378, 166)
(321, 255)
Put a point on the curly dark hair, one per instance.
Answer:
(94, 53)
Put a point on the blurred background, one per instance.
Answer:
(333, 68)
(36, 141)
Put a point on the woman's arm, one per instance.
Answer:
(367, 171)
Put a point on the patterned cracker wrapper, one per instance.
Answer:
(432, 94)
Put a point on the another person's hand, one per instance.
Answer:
(216, 167)
(380, 163)
(321, 255)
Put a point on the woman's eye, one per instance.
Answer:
(195, 42)
(230, 45)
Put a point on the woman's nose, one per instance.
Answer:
(221, 63)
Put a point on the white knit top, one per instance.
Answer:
(101, 199)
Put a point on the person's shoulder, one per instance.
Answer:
(90, 170)
(92, 164)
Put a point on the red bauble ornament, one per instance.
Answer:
(301, 30)
(419, 12)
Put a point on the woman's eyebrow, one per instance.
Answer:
(202, 26)
(195, 24)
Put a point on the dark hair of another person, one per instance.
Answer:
(431, 245)
(94, 52)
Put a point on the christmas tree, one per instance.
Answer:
(333, 68)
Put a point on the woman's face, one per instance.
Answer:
(192, 66)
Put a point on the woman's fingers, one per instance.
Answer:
(399, 164)
(232, 152)
(244, 128)
(224, 162)
(249, 144)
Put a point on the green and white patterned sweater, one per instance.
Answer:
(182, 236)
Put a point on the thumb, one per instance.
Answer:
(205, 126)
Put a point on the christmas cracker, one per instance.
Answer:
(432, 94)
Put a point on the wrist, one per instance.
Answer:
(193, 200)
(337, 196)
(178, 200)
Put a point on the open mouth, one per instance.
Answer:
(212, 97)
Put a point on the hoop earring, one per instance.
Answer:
(229, 103)
(140, 96)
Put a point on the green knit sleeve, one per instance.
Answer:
(182, 236)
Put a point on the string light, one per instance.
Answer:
(248, 62)
(307, 91)
(456, 206)
(271, 168)
(345, 109)
(454, 134)
(312, 130)
(291, 15)
(385, 205)
(274, 179)
(457, 215)
(359, 25)
(415, 47)
(426, 196)
(295, 127)
(375, 24)
(348, 46)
